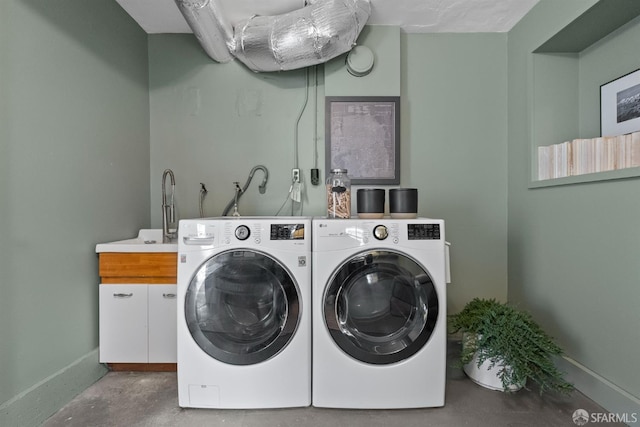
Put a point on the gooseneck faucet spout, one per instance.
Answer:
(168, 208)
(262, 188)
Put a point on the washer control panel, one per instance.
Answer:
(287, 231)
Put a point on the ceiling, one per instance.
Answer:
(412, 16)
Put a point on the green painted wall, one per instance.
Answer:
(74, 171)
(573, 249)
(212, 123)
(454, 107)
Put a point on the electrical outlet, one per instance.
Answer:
(295, 175)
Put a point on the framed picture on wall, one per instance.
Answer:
(362, 135)
(620, 105)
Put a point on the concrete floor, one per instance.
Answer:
(151, 399)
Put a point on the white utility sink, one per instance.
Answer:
(148, 240)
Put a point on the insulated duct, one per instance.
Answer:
(204, 18)
(307, 36)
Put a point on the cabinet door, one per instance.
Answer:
(123, 323)
(163, 324)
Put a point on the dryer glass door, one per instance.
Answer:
(242, 307)
(380, 306)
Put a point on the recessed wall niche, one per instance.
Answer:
(567, 71)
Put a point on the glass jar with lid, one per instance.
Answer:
(338, 194)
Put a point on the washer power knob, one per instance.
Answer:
(242, 232)
(380, 232)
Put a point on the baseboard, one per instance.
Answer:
(606, 394)
(34, 405)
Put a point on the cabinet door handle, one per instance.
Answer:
(122, 295)
(168, 295)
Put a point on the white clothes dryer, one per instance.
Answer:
(379, 313)
(244, 312)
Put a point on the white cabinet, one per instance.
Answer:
(138, 323)
(163, 323)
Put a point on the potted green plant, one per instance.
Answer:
(505, 343)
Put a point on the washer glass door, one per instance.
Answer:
(242, 307)
(380, 306)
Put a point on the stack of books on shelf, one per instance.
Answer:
(583, 156)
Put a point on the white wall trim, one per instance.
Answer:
(602, 391)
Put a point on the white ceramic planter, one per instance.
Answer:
(487, 376)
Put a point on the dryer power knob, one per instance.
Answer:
(242, 232)
(380, 232)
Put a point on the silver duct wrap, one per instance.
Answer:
(311, 35)
(212, 31)
(308, 36)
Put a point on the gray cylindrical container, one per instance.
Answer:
(370, 202)
(403, 202)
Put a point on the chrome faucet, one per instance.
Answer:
(203, 193)
(168, 209)
(262, 188)
(236, 198)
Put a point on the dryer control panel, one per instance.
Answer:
(423, 231)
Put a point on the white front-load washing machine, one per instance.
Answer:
(244, 312)
(379, 313)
